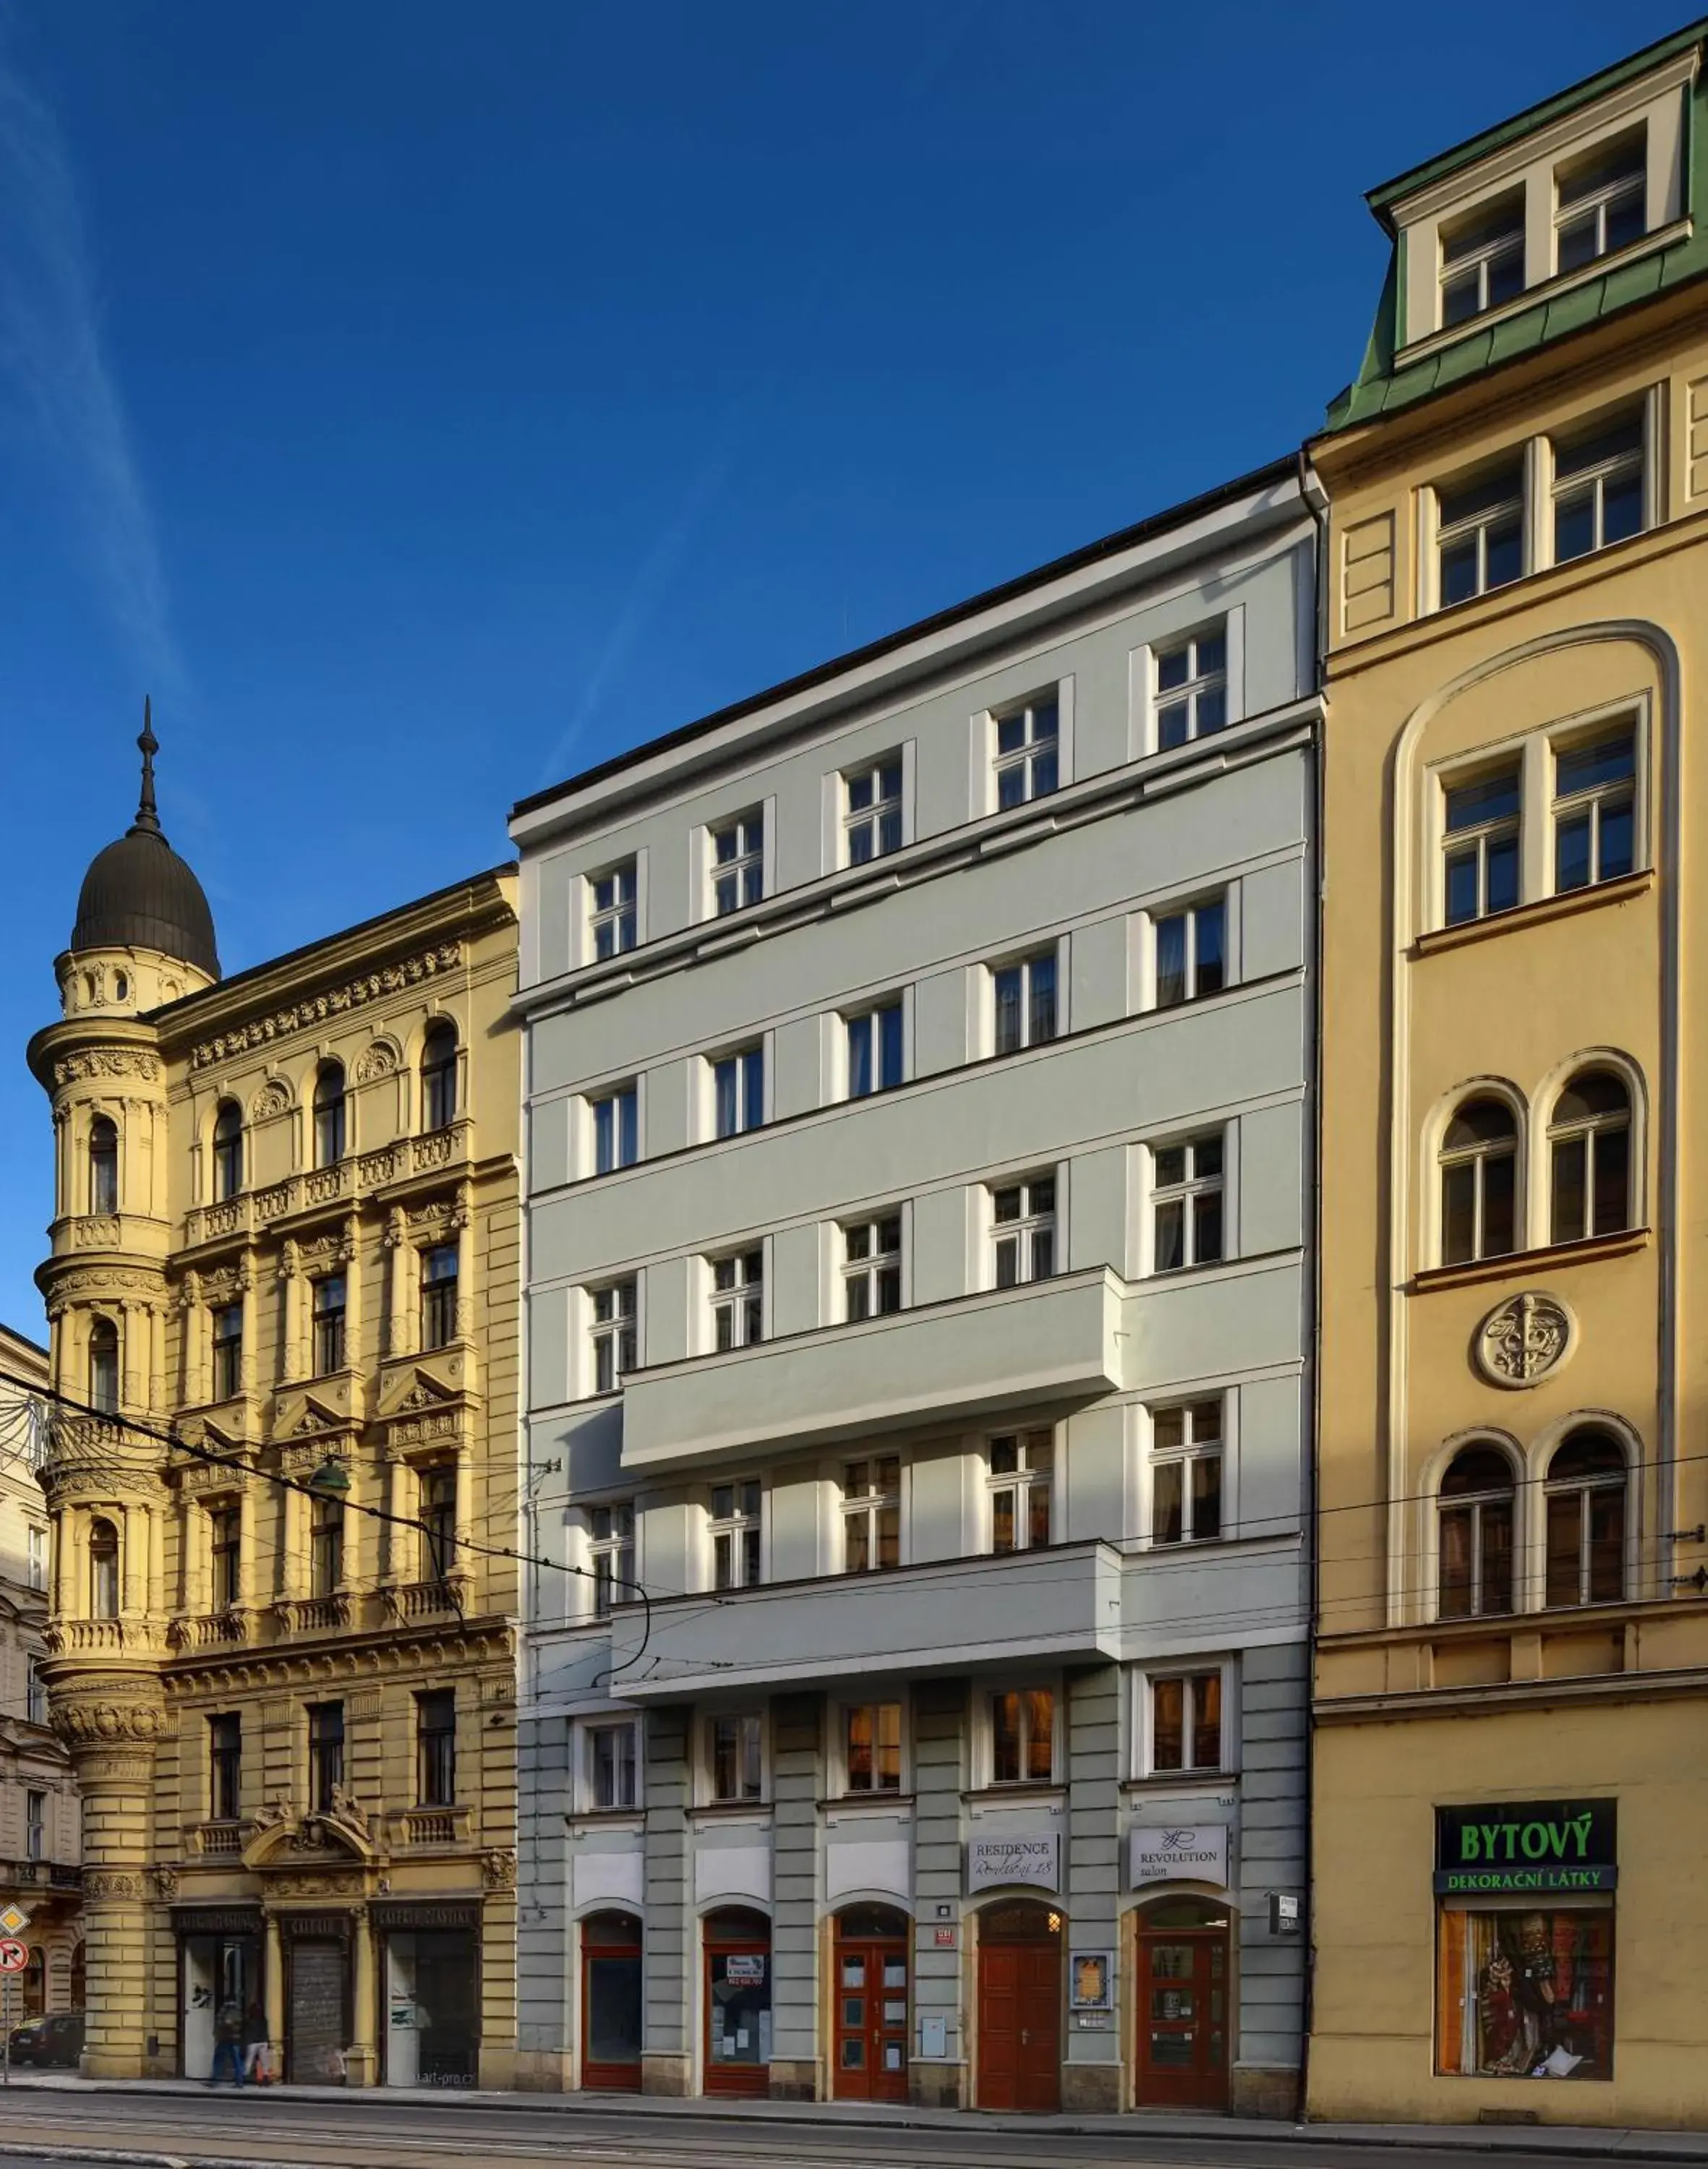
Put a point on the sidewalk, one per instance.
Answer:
(1633, 2145)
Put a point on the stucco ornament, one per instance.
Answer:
(272, 1099)
(1523, 1338)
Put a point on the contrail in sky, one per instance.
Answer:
(55, 373)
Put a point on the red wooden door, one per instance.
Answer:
(610, 2003)
(1182, 2059)
(1020, 2024)
(870, 2056)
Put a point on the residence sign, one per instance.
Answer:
(1545, 1847)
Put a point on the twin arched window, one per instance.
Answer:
(1584, 1529)
(228, 1149)
(104, 1165)
(439, 1076)
(329, 1114)
(1590, 1187)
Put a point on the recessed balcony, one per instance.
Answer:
(1006, 1349)
(947, 1616)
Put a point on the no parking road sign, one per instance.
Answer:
(14, 1956)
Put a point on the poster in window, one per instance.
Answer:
(1091, 1980)
(1524, 1994)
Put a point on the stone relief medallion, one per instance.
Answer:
(1523, 1338)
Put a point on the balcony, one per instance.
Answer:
(1005, 1350)
(411, 1600)
(1061, 1604)
(211, 1630)
(427, 1829)
(358, 1175)
(41, 1875)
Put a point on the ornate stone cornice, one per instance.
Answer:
(332, 1001)
(365, 1655)
(89, 1062)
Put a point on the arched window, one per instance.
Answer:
(439, 1076)
(1590, 1147)
(1586, 1492)
(103, 1570)
(104, 1367)
(1475, 1577)
(104, 1166)
(1479, 1183)
(228, 1149)
(328, 1115)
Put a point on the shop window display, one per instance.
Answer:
(1522, 1994)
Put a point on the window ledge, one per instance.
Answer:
(865, 1803)
(607, 1818)
(1016, 1796)
(1175, 1780)
(1519, 1264)
(731, 1811)
(1545, 907)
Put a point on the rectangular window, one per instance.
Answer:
(1482, 259)
(1027, 752)
(1186, 1473)
(1186, 1199)
(738, 1757)
(611, 1554)
(872, 1514)
(874, 1050)
(1022, 1737)
(735, 1533)
(1599, 205)
(1191, 953)
(1025, 1002)
(438, 1513)
(1480, 846)
(614, 1339)
(326, 1547)
(738, 863)
(872, 1747)
(36, 1826)
(224, 1749)
(738, 1300)
(327, 1304)
(1595, 810)
(611, 897)
(872, 811)
(1022, 1217)
(1192, 688)
(738, 1082)
(35, 1702)
(1021, 1481)
(617, 1129)
(872, 1267)
(1522, 1993)
(1597, 489)
(439, 1281)
(613, 1774)
(227, 1350)
(37, 1557)
(435, 1748)
(1480, 533)
(225, 1550)
(1186, 1722)
(325, 1755)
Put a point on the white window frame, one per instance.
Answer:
(738, 1296)
(1056, 954)
(1439, 535)
(1188, 909)
(1159, 1193)
(619, 1326)
(612, 1096)
(1477, 838)
(1032, 752)
(852, 820)
(987, 1737)
(1199, 684)
(845, 1787)
(869, 1015)
(1480, 260)
(735, 1527)
(618, 911)
(747, 1119)
(1599, 204)
(865, 1271)
(1594, 799)
(869, 1505)
(588, 1731)
(1190, 1449)
(753, 1726)
(1030, 1222)
(1143, 1724)
(750, 859)
(1020, 1482)
(612, 1538)
(1585, 429)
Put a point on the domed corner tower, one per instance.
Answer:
(143, 937)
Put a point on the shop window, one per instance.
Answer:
(1479, 1183)
(1586, 1506)
(1589, 1155)
(1474, 1571)
(1524, 1994)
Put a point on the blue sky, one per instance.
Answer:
(423, 400)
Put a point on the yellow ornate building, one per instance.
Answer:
(1511, 1679)
(283, 1294)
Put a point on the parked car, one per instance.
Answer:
(57, 2038)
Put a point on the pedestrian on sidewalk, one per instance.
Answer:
(228, 2054)
(254, 2044)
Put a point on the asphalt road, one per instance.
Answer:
(260, 2129)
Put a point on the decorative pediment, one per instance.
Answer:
(282, 1839)
(307, 1416)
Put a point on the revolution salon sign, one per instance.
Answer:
(1527, 1846)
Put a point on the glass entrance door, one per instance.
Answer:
(1183, 2005)
(870, 2060)
(610, 2003)
(737, 2002)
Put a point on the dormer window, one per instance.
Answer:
(1482, 259)
(1601, 200)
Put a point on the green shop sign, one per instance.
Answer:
(1535, 1846)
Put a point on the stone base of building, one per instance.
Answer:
(1090, 2089)
(937, 2085)
(497, 2071)
(1272, 2093)
(120, 2063)
(666, 2074)
(544, 2072)
(795, 2079)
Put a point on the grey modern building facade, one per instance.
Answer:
(919, 1309)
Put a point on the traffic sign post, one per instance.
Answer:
(14, 1956)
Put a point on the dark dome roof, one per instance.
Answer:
(138, 893)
